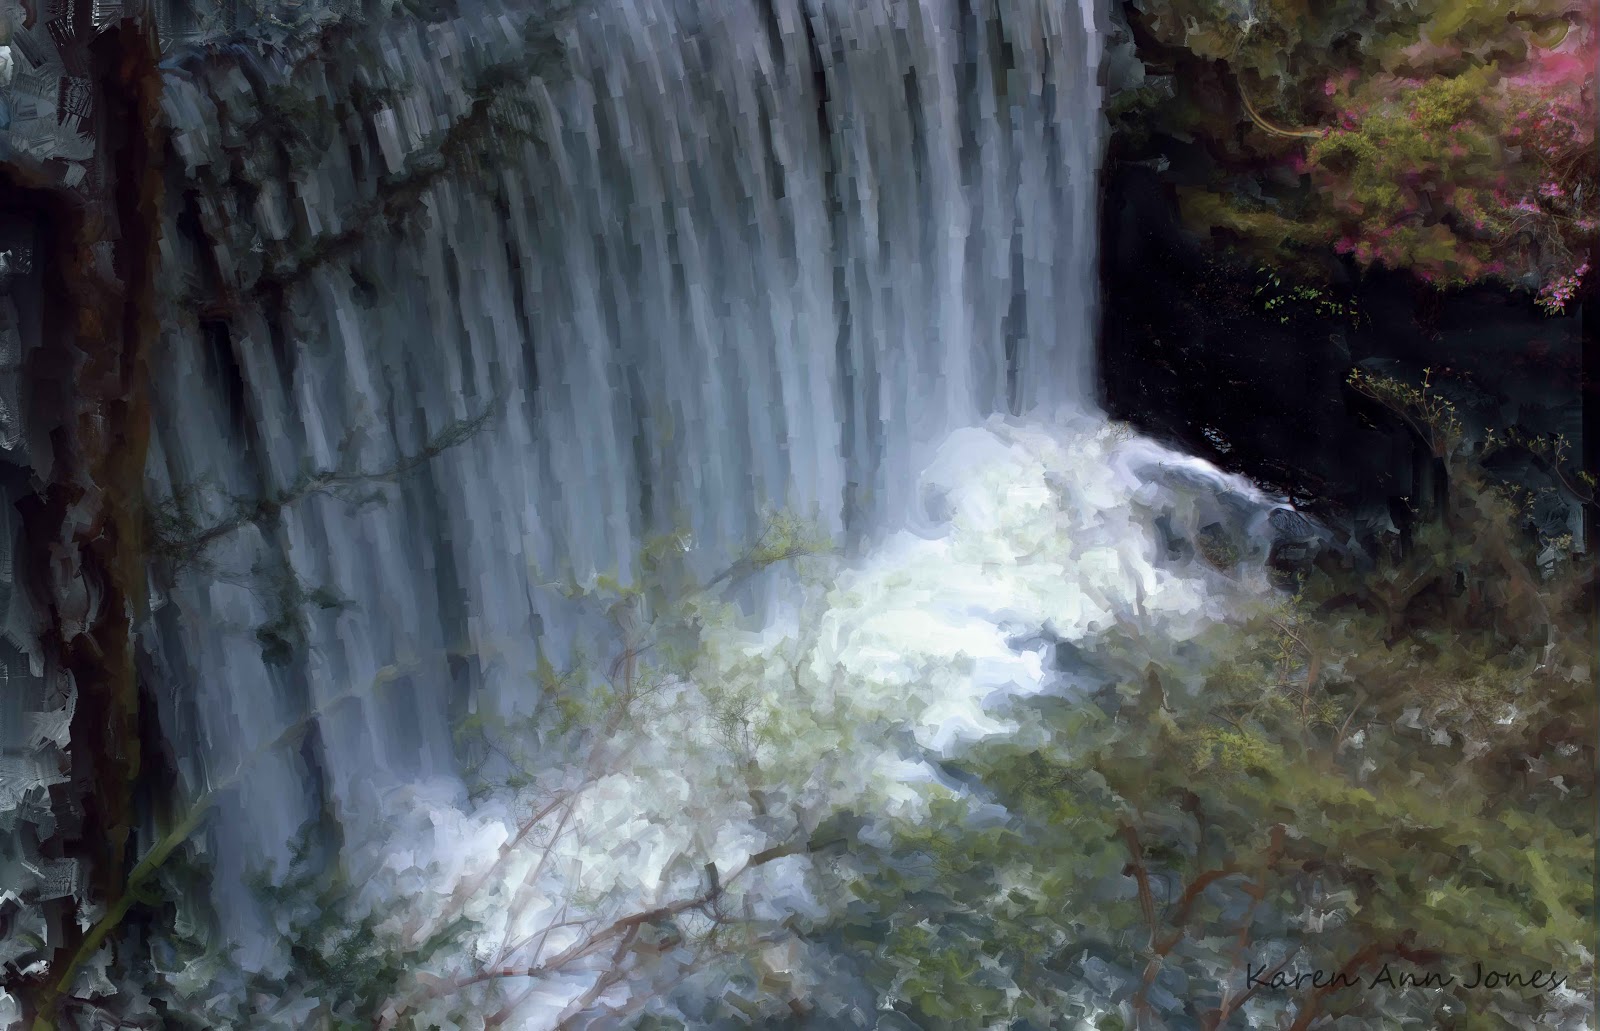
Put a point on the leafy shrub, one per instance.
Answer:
(1388, 775)
(1449, 138)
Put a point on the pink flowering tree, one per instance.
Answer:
(1454, 139)
(1484, 174)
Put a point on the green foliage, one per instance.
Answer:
(1391, 766)
(1294, 301)
(786, 537)
(955, 920)
(347, 959)
(1431, 414)
(1449, 138)
(1553, 453)
(183, 528)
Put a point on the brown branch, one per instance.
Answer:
(188, 546)
(622, 930)
(1159, 948)
(1549, 465)
(93, 502)
(543, 935)
(1213, 1020)
(1399, 408)
(400, 195)
(1274, 130)
(1136, 869)
(1313, 1002)
(757, 560)
(634, 1005)
(462, 895)
(1281, 625)
(1185, 905)
(531, 880)
(1191, 894)
(612, 976)
(1256, 892)
(1339, 739)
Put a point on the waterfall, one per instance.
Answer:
(752, 255)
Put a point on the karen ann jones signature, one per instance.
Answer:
(1391, 976)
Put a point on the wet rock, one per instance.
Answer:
(1289, 525)
(1218, 547)
(1297, 543)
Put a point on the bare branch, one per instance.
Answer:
(1230, 1006)
(464, 894)
(623, 931)
(1274, 130)
(1191, 894)
(188, 546)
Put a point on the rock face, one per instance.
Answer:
(1190, 354)
(39, 883)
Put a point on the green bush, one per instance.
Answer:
(1448, 138)
(1389, 774)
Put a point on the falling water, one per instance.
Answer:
(753, 256)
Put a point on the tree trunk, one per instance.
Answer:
(88, 522)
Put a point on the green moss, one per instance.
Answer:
(1213, 210)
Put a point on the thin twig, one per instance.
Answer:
(623, 930)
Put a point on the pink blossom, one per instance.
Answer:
(1556, 293)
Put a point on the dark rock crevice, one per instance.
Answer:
(1189, 354)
